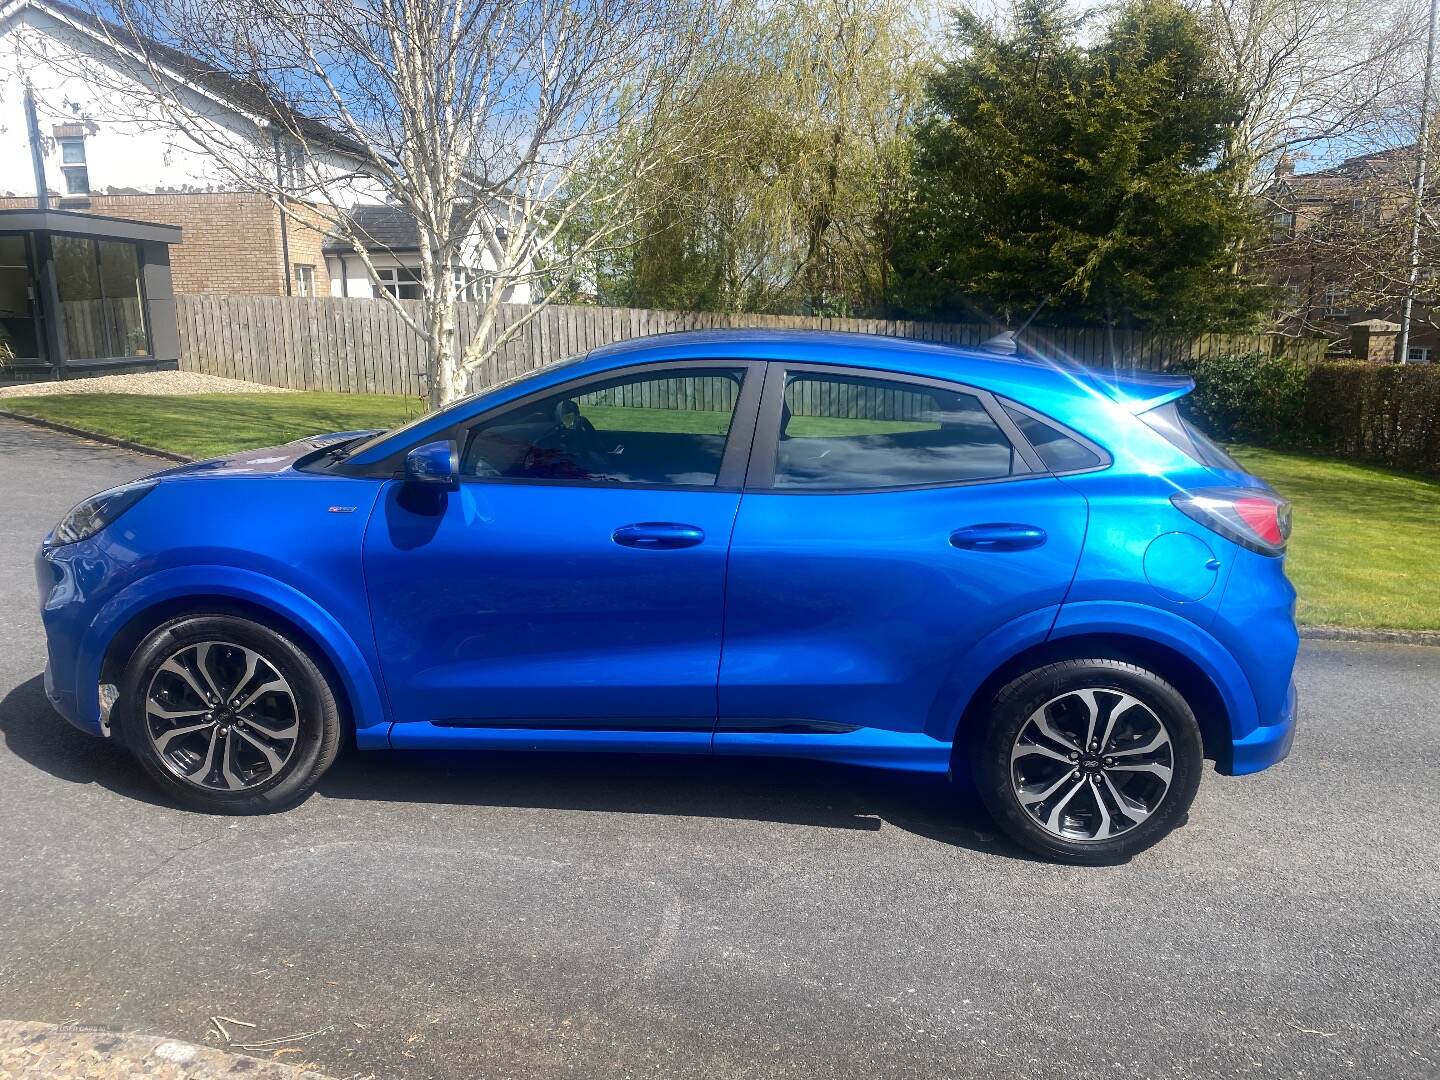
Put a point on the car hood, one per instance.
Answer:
(265, 461)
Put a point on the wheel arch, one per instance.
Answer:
(1172, 665)
(129, 637)
(131, 617)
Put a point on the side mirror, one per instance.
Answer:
(435, 464)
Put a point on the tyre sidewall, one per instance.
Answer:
(1018, 701)
(315, 703)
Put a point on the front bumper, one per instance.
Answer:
(1268, 744)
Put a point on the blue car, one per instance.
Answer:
(862, 550)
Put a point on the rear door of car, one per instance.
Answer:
(888, 525)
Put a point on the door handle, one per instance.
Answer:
(998, 536)
(658, 535)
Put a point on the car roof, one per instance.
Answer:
(1017, 376)
(1081, 397)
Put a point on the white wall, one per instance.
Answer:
(131, 145)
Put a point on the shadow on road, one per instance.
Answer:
(792, 792)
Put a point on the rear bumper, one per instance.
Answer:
(1268, 744)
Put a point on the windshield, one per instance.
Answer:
(375, 440)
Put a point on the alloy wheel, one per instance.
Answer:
(1092, 764)
(221, 716)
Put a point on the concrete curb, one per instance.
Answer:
(33, 1051)
(95, 436)
(1387, 637)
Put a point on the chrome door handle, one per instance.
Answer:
(658, 535)
(998, 536)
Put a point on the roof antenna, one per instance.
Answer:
(1004, 343)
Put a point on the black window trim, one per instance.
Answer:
(732, 462)
(760, 479)
(1106, 459)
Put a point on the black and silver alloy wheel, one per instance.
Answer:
(1092, 764)
(221, 716)
(229, 714)
(1088, 761)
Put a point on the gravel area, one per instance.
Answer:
(143, 382)
(98, 1053)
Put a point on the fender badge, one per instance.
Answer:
(342, 509)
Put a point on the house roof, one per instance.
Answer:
(71, 221)
(1330, 183)
(385, 227)
(243, 95)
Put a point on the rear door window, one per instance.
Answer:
(842, 432)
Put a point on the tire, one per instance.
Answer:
(1052, 790)
(264, 756)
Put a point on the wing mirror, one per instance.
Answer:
(435, 464)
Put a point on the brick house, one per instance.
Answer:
(1339, 251)
(103, 151)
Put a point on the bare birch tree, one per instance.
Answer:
(488, 118)
(1312, 73)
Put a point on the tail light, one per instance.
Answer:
(1254, 518)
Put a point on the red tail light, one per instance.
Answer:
(1253, 518)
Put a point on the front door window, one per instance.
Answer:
(665, 428)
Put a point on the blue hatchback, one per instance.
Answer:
(856, 549)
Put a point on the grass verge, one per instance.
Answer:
(205, 425)
(1364, 548)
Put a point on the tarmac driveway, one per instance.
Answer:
(616, 916)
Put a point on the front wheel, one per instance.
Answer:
(1089, 761)
(228, 715)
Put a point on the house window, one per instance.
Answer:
(1366, 209)
(1282, 224)
(469, 285)
(401, 282)
(1418, 354)
(72, 164)
(1336, 297)
(304, 279)
(102, 303)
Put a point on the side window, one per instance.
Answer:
(843, 432)
(645, 429)
(1058, 451)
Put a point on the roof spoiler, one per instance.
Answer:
(1141, 391)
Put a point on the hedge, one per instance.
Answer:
(1384, 414)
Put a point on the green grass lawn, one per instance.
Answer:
(204, 425)
(1365, 550)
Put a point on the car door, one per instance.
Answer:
(571, 590)
(888, 526)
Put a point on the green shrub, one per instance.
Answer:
(1387, 414)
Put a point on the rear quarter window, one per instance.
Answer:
(1167, 420)
(1059, 451)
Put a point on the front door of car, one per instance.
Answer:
(888, 526)
(571, 591)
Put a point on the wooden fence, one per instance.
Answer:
(355, 346)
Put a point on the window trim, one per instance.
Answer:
(302, 286)
(732, 461)
(760, 478)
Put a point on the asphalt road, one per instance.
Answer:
(629, 917)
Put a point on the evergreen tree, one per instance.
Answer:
(1085, 174)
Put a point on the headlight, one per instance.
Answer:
(89, 517)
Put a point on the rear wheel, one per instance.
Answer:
(1089, 761)
(229, 715)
